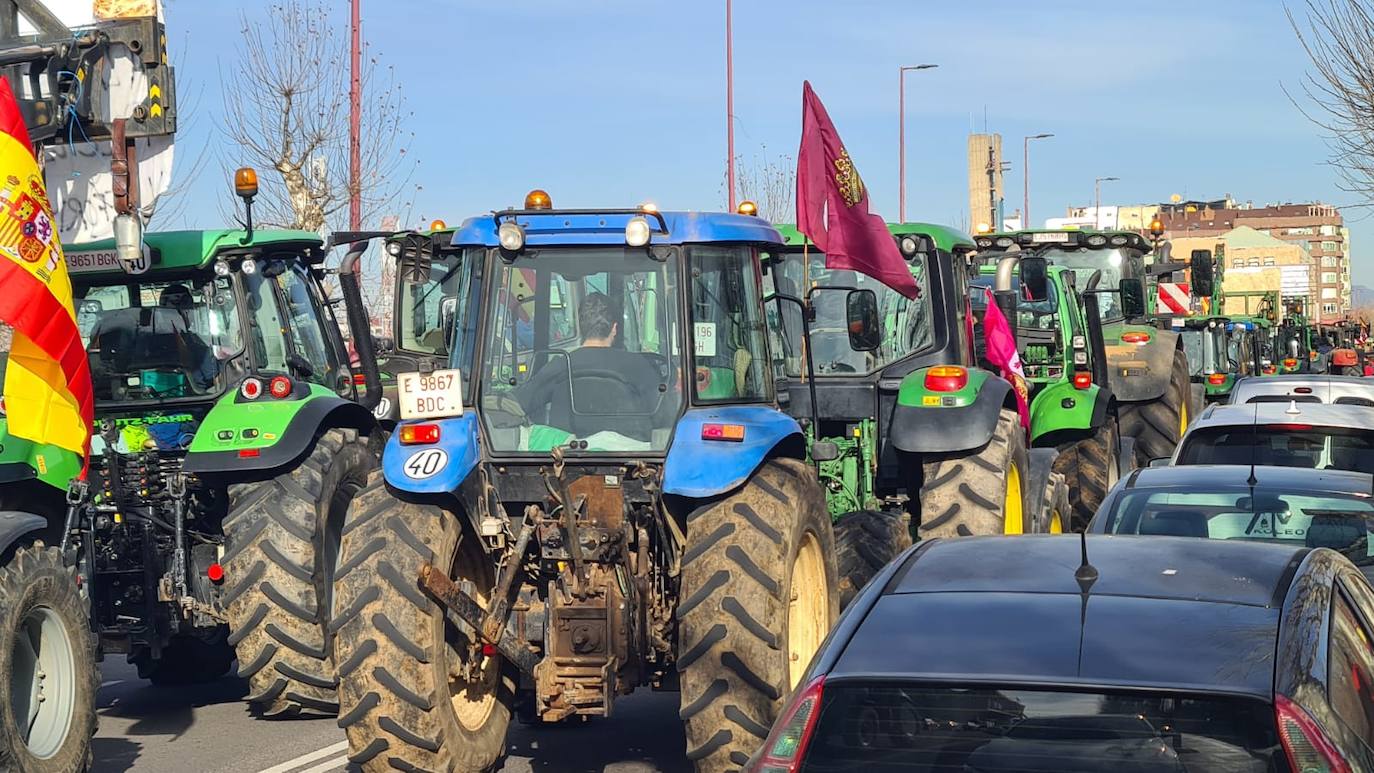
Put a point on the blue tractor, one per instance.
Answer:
(598, 492)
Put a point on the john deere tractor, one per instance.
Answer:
(597, 493)
(1147, 367)
(230, 440)
(1072, 410)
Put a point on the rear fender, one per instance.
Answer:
(1061, 406)
(1142, 372)
(22, 459)
(700, 468)
(14, 524)
(433, 468)
(928, 422)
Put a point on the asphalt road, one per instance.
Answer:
(206, 728)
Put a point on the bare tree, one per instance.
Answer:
(286, 104)
(1338, 36)
(768, 181)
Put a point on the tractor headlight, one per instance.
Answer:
(909, 246)
(637, 232)
(511, 236)
(249, 266)
(393, 249)
(221, 268)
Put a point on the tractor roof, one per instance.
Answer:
(1063, 237)
(554, 227)
(946, 239)
(172, 250)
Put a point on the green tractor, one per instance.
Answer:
(230, 440)
(1219, 350)
(1258, 315)
(1072, 410)
(1147, 366)
(910, 412)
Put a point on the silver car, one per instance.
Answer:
(1282, 434)
(1304, 388)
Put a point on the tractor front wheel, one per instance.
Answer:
(865, 542)
(980, 492)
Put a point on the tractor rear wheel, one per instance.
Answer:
(1158, 425)
(980, 492)
(1090, 466)
(758, 596)
(406, 697)
(865, 542)
(282, 546)
(1055, 508)
(47, 666)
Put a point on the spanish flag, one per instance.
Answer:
(48, 395)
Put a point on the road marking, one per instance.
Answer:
(341, 746)
(338, 763)
(111, 683)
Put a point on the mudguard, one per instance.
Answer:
(1061, 406)
(702, 468)
(22, 459)
(281, 431)
(926, 422)
(433, 468)
(1142, 372)
(16, 523)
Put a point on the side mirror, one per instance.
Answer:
(448, 309)
(384, 345)
(1203, 272)
(414, 267)
(1035, 279)
(1132, 297)
(1162, 461)
(861, 314)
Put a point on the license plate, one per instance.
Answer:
(1049, 236)
(430, 395)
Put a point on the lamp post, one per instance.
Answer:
(355, 107)
(1097, 199)
(901, 134)
(1025, 176)
(729, 106)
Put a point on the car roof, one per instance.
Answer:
(1326, 388)
(1318, 414)
(1209, 477)
(1164, 613)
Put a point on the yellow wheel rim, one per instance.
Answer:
(808, 611)
(1182, 418)
(1056, 522)
(1013, 511)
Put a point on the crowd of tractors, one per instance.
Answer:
(600, 450)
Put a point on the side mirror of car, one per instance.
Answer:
(1035, 281)
(1132, 297)
(1203, 272)
(1162, 461)
(861, 314)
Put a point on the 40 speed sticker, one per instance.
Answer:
(383, 409)
(426, 463)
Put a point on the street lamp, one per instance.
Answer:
(1097, 199)
(901, 134)
(1025, 176)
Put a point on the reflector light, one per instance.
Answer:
(1136, 338)
(1290, 362)
(215, 572)
(249, 453)
(1216, 379)
(946, 378)
(251, 388)
(785, 748)
(279, 386)
(1082, 380)
(359, 379)
(731, 432)
(419, 434)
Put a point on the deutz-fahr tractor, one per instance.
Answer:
(1072, 411)
(1148, 369)
(597, 493)
(229, 442)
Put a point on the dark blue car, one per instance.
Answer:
(991, 654)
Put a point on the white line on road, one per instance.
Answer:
(111, 683)
(337, 763)
(341, 746)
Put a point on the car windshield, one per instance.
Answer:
(894, 729)
(906, 324)
(1338, 521)
(151, 340)
(1282, 445)
(1084, 262)
(580, 351)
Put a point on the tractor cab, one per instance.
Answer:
(1215, 360)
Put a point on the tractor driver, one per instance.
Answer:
(201, 362)
(597, 384)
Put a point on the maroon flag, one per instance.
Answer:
(832, 205)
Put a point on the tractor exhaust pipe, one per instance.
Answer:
(360, 325)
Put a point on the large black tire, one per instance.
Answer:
(757, 597)
(36, 592)
(282, 540)
(1090, 467)
(968, 493)
(394, 646)
(1157, 425)
(187, 660)
(1055, 507)
(865, 542)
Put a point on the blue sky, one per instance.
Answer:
(611, 102)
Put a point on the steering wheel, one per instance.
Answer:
(505, 404)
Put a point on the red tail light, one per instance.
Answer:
(1216, 379)
(215, 572)
(1290, 362)
(280, 386)
(731, 432)
(785, 748)
(1307, 746)
(251, 388)
(359, 379)
(1082, 379)
(419, 434)
(946, 378)
(250, 453)
(1136, 338)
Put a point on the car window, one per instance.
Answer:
(1282, 445)
(1350, 670)
(1284, 399)
(1342, 522)
(1354, 401)
(894, 729)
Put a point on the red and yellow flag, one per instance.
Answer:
(48, 396)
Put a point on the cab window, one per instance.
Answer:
(729, 350)
(304, 315)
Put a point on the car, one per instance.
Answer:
(1304, 388)
(1313, 508)
(1294, 434)
(1091, 652)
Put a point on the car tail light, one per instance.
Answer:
(1302, 390)
(1216, 379)
(1082, 380)
(419, 434)
(785, 748)
(731, 432)
(251, 388)
(1307, 746)
(1136, 338)
(280, 386)
(946, 378)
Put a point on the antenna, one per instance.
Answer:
(1086, 573)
